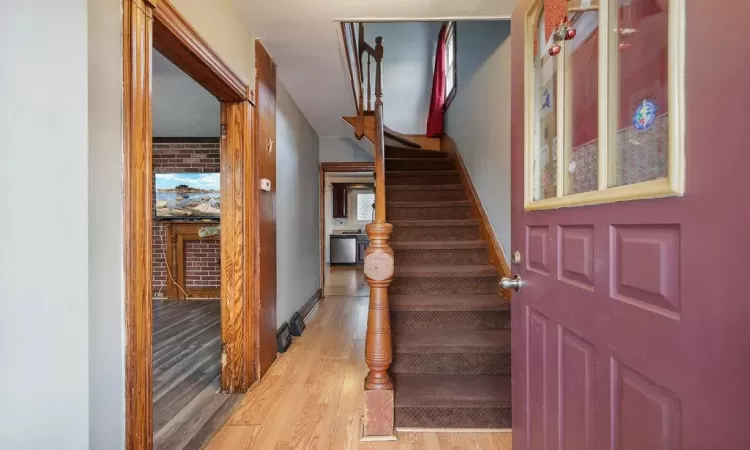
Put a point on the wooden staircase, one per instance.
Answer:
(438, 334)
(450, 328)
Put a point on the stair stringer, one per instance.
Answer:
(497, 255)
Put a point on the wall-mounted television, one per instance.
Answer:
(187, 196)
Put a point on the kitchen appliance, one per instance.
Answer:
(343, 249)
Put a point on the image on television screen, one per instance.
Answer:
(188, 195)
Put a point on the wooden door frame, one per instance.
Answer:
(333, 167)
(156, 23)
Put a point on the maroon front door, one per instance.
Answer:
(632, 331)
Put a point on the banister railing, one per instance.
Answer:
(378, 410)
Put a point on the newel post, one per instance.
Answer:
(378, 408)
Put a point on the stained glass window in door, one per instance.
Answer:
(640, 150)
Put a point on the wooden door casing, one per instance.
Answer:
(630, 332)
(265, 153)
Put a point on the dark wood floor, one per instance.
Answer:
(188, 406)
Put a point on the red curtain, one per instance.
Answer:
(435, 117)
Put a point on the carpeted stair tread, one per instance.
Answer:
(438, 245)
(434, 223)
(451, 341)
(425, 187)
(442, 158)
(443, 204)
(419, 173)
(444, 271)
(479, 302)
(452, 391)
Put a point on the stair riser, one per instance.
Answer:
(421, 417)
(452, 257)
(451, 363)
(405, 153)
(425, 195)
(444, 285)
(450, 320)
(400, 180)
(458, 233)
(419, 165)
(429, 213)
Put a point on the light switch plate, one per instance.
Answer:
(265, 185)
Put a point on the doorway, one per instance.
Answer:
(347, 196)
(147, 24)
(188, 405)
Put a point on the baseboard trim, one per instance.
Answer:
(453, 430)
(497, 256)
(311, 304)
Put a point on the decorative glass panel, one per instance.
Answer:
(582, 98)
(640, 150)
(545, 146)
(365, 209)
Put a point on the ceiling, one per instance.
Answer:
(181, 107)
(303, 37)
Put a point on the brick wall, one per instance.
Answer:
(183, 155)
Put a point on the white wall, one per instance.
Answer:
(408, 65)
(106, 277)
(297, 207)
(44, 268)
(479, 117)
(219, 23)
(344, 149)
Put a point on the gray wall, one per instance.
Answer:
(479, 117)
(344, 149)
(44, 269)
(181, 107)
(408, 65)
(106, 271)
(297, 203)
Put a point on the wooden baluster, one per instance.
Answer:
(369, 89)
(378, 408)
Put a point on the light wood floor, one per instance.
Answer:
(188, 407)
(312, 396)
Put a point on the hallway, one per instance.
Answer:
(312, 396)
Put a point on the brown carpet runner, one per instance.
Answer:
(451, 329)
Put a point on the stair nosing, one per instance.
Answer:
(445, 341)
(420, 204)
(439, 244)
(499, 398)
(435, 223)
(448, 303)
(422, 172)
(445, 271)
(426, 187)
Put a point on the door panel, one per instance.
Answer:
(631, 331)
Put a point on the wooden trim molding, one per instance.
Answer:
(234, 301)
(177, 234)
(137, 32)
(347, 167)
(151, 24)
(497, 256)
(176, 39)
